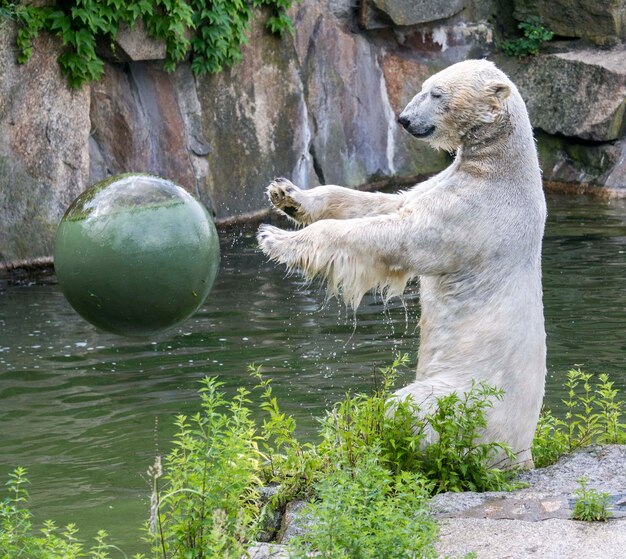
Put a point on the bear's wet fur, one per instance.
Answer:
(472, 234)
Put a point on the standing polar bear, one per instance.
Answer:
(472, 234)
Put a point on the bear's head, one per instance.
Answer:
(464, 102)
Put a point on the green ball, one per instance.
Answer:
(136, 254)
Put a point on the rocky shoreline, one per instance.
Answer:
(530, 523)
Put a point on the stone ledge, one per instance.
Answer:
(600, 21)
(531, 523)
(535, 522)
(578, 94)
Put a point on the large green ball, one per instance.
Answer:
(136, 254)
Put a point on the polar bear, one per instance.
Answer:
(472, 234)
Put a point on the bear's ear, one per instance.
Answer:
(500, 90)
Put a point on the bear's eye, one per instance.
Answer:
(436, 94)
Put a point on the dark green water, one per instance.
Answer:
(78, 406)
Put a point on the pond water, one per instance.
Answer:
(78, 407)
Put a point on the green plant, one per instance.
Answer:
(217, 28)
(208, 503)
(591, 505)
(609, 429)
(293, 465)
(593, 414)
(455, 461)
(550, 441)
(535, 35)
(367, 512)
(363, 421)
(19, 540)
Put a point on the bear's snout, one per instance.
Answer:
(420, 130)
(404, 121)
(415, 124)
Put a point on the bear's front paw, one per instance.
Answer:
(274, 242)
(283, 195)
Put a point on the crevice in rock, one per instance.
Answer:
(580, 141)
(317, 167)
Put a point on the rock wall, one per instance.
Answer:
(318, 107)
(576, 93)
(577, 101)
(44, 156)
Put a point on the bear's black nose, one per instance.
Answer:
(404, 121)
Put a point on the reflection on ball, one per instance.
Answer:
(136, 254)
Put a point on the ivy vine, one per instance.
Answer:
(211, 31)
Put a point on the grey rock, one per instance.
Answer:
(580, 94)
(343, 9)
(352, 124)
(355, 138)
(549, 491)
(44, 160)
(138, 124)
(604, 466)
(133, 44)
(616, 178)
(535, 521)
(403, 79)
(198, 147)
(272, 516)
(551, 539)
(255, 118)
(318, 106)
(570, 164)
(408, 12)
(295, 522)
(266, 551)
(602, 21)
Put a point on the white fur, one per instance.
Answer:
(472, 234)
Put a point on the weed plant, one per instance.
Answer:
(535, 35)
(591, 505)
(19, 540)
(593, 416)
(400, 431)
(366, 512)
(205, 501)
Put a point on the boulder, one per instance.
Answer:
(403, 80)
(580, 94)
(44, 159)
(266, 551)
(601, 21)
(616, 178)
(352, 123)
(380, 13)
(353, 94)
(133, 44)
(295, 522)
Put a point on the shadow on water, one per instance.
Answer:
(78, 406)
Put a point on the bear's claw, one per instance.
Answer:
(280, 193)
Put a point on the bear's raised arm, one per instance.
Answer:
(329, 202)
